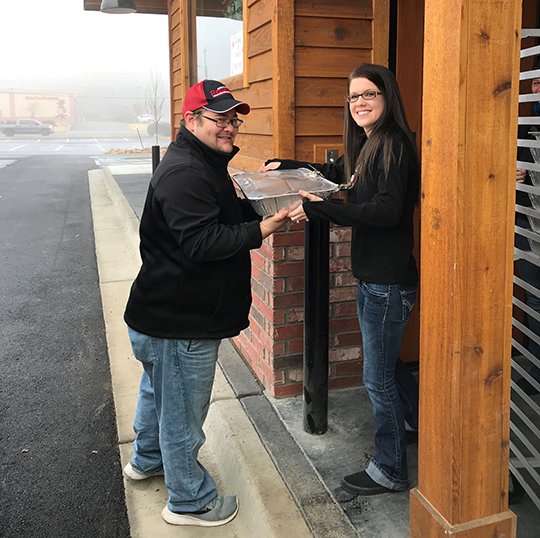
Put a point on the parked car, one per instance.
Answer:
(145, 118)
(30, 126)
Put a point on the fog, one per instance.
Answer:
(106, 60)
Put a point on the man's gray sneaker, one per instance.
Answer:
(132, 473)
(217, 512)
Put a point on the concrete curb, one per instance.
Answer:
(233, 453)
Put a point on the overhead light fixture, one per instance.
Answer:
(118, 6)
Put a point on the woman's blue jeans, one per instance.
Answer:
(173, 401)
(383, 312)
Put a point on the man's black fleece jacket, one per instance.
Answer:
(195, 238)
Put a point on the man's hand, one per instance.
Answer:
(271, 224)
(521, 175)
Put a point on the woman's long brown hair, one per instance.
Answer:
(360, 150)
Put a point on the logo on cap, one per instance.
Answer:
(222, 90)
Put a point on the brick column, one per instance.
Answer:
(273, 344)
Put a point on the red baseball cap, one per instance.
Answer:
(212, 95)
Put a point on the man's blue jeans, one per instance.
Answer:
(383, 312)
(174, 397)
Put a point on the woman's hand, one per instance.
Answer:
(310, 197)
(270, 166)
(273, 223)
(297, 215)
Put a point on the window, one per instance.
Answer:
(219, 39)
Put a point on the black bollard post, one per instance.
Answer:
(316, 304)
(155, 158)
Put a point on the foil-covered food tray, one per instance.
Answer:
(268, 192)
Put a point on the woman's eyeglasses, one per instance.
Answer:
(224, 122)
(366, 96)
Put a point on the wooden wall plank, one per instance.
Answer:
(257, 95)
(174, 15)
(309, 121)
(260, 14)
(260, 40)
(176, 48)
(177, 92)
(177, 63)
(260, 67)
(333, 32)
(320, 91)
(361, 9)
(259, 121)
(241, 161)
(326, 62)
(177, 79)
(255, 145)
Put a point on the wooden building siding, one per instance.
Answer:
(256, 87)
(177, 57)
(331, 39)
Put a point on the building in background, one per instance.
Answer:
(57, 108)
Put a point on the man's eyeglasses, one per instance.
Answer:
(224, 122)
(366, 96)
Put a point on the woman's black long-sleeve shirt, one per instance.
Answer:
(380, 211)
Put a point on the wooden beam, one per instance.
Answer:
(381, 29)
(471, 68)
(283, 77)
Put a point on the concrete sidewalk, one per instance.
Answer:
(234, 452)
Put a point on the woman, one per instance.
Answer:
(380, 158)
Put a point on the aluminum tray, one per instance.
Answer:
(268, 192)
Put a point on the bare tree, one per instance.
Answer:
(155, 101)
(33, 108)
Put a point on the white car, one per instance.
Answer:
(145, 118)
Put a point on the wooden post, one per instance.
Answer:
(471, 69)
(381, 28)
(283, 78)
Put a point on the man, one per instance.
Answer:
(193, 289)
(526, 270)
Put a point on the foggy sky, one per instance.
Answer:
(56, 45)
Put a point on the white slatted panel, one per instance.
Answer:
(525, 409)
